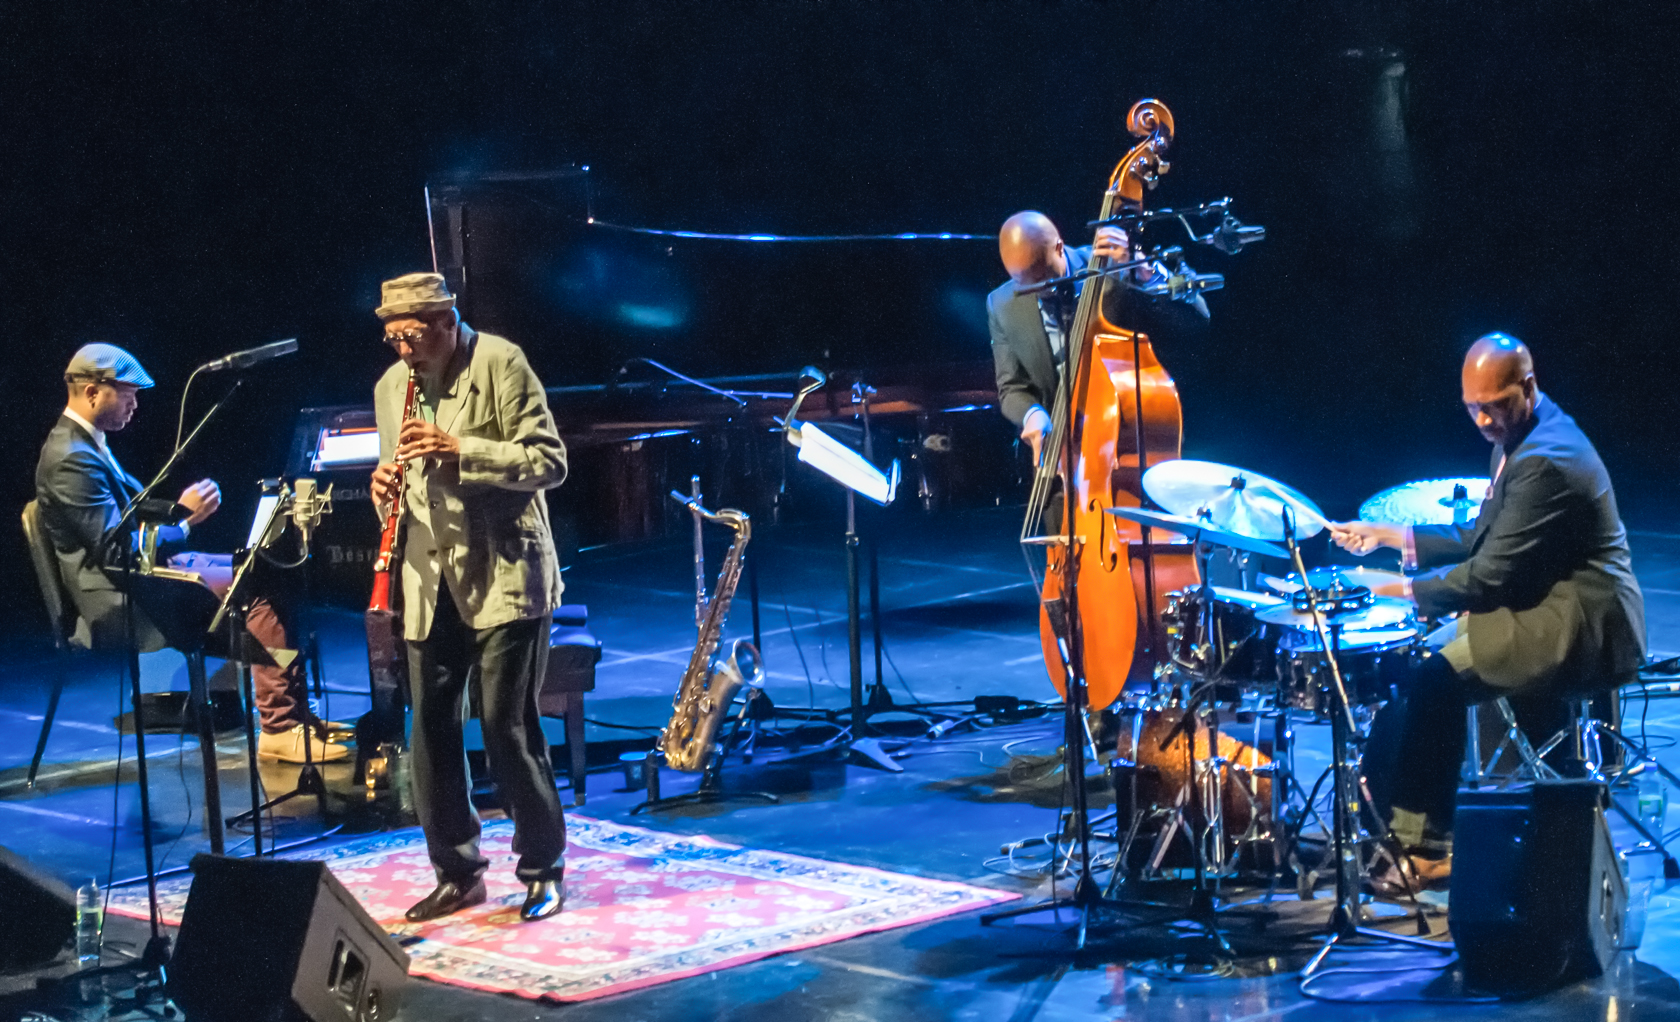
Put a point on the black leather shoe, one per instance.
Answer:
(447, 897)
(543, 898)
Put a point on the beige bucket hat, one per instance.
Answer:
(414, 292)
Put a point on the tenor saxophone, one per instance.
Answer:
(709, 684)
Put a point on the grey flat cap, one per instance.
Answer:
(413, 292)
(106, 362)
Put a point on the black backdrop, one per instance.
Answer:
(187, 179)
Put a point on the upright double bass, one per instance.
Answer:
(1117, 413)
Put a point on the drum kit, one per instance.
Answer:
(1212, 742)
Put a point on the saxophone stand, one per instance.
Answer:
(711, 790)
(1348, 914)
(751, 675)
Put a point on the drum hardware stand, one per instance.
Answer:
(1346, 916)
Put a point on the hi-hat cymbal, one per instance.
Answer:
(1234, 499)
(1427, 502)
(1381, 612)
(1327, 577)
(1199, 529)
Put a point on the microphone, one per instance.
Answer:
(308, 505)
(1232, 234)
(250, 356)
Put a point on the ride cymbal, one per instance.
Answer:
(1234, 499)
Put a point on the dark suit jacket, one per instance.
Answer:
(1544, 570)
(81, 497)
(1026, 371)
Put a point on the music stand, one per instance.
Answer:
(856, 475)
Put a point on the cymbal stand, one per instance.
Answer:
(1347, 915)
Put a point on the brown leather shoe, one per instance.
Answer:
(446, 898)
(1414, 875)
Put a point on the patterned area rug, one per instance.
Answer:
(642, 907)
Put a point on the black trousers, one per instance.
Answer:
(1416, 746)
(508, 661)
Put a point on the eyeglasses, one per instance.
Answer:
(409, 337)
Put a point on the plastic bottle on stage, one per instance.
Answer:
(90, 920)
(1653, 797)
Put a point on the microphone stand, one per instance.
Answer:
(1088, 896)
(157, 951)
(1346, 917)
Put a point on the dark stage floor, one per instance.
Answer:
(959, 621)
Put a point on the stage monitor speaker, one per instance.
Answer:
(267, 940)
(37, 913)
(1538, 898)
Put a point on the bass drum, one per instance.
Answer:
(1372, 664)
(1161, 777)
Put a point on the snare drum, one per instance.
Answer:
(1239, 648)
(1372, 663)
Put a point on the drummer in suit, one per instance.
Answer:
(1541, 585)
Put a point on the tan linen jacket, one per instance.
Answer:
(480, 525)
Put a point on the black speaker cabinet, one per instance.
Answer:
(1538, 898)
(37, 913)
(265, 940)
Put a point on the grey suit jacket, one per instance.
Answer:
(1026, 370)
(81, 497)
(479, 526)
(1544, 570)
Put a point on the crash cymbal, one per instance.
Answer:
(1328, 576)
(1235, 499)
(1381, 612)
(1427, 502)
(1199, 529)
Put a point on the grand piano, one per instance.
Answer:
(599, 309)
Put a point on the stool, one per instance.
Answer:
(1585, 732)
(573, 653)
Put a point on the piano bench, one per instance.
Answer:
(573, 653)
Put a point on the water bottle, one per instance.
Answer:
(90, 920)
(1653, 798)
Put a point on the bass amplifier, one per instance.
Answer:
(1538, 898)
